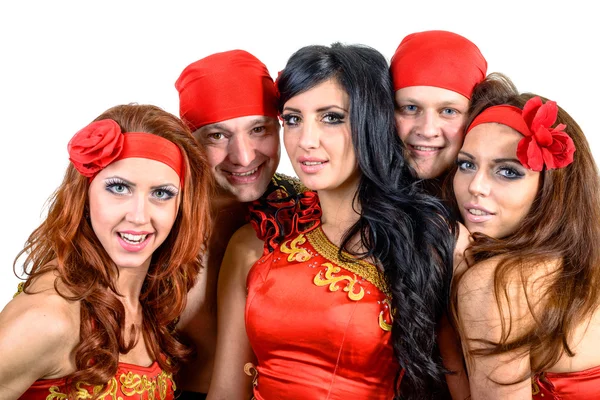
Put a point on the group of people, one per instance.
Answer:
(439, 241)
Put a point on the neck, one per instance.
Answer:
(129, 285)
(339, 211)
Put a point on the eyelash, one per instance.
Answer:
(113, 182)
(515, 173)
(288, 118)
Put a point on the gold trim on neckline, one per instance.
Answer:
(368, 271)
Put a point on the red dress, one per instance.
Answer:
(132, 382)
(320, 327)
(582, 385)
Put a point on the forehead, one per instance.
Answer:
(430, 95)
(325, 94)
(140, 171)
(492, 140)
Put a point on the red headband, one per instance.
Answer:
(438, 58)
(223, 86)
(541, 144)
(101, 143)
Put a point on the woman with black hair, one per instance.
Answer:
(340, 295)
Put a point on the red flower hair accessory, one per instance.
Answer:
(95, 146)
(102, 142)
(547, 146)
(542, 144)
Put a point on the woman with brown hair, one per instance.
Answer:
(110, 266)
(526, 300)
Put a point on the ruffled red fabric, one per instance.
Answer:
(275, 219)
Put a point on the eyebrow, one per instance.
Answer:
(321, 109)
(496, 160)
(128, 182)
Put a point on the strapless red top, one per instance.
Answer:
(581, 385)
(130, 382)
(320, 326)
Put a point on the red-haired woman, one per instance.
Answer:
(109, 268)
(527, 189)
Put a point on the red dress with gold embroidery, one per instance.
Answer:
(131, 382)
(581, 385)
(319, 326)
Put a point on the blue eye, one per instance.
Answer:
(464, 165)
(165, 193)
(449, 112)
(408, 109)
(510, 173)
(117, 186)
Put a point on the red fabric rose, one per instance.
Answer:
(547, 146)
(95, 146)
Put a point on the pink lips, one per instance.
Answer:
(134, 247)
(486, 214)
(314, 168)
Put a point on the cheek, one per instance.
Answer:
(269, 146)
(403, 127)
(290, 142)
(460, 185)
(215, 155)
(454, 133)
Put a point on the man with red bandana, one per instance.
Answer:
(434, 73)
(229, 102)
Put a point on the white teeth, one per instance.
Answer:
(135, 239)
(423, 148)
(245, 173)
(475, 211)
(312, 163)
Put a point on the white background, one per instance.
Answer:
(63, 63)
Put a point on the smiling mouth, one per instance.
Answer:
(477, 212)
(424, 148)
(309, 163)
(133, 239)
(242, 174)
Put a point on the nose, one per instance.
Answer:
(241, 150)
(480, 185)
(138, 212)
(309, 136)
(429, 127)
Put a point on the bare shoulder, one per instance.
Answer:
(244, 245)
(38, 332)
(42, 307)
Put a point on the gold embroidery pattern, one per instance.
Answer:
(333, 281)
(250, 370)
(296, 253)
(382, 323)
(131, 384)
(535, 388)
(19, 289)
(368, 271)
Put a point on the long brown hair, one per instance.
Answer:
(65, 243)
(562, 228)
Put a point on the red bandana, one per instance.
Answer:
(102, 143)
(542, 145)
(438, 58)
(223, 86)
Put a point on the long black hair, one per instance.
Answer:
(408, 232)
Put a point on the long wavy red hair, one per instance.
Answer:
(65, 243)
(562, 228)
